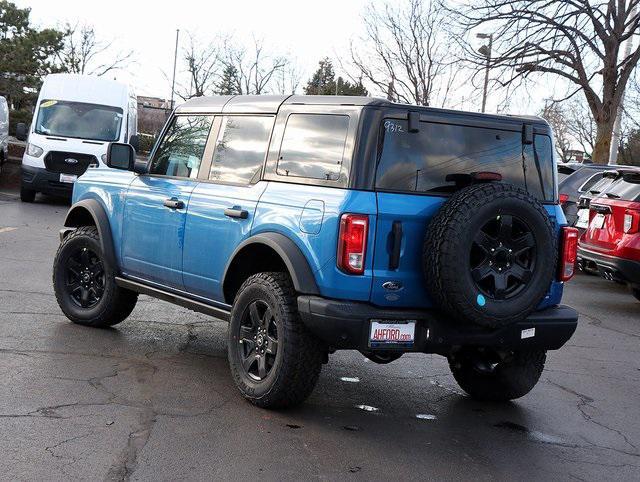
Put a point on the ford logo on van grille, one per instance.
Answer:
(71, 160)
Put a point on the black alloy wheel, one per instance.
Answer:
(258, 340)
(85, 278)
(503, 257)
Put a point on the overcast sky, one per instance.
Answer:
(306, 31)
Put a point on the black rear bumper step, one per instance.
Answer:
(345, 325)
(610, 267)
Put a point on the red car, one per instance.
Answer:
(611, 243)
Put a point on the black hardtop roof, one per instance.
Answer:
(270, 104)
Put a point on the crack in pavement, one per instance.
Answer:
(586, 401)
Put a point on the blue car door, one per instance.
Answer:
(157, 202)
(221, 209)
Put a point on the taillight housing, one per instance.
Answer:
(563, 198)
(352, 242)
(568, 254)
(631, 222)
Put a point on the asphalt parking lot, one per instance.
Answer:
(152, 399)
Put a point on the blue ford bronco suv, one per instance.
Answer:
(319, 223)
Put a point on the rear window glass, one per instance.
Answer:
(589, 183)
(626, 188)
(601, 186)
(313, 146)
(420, 162)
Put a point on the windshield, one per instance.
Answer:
(80, 120)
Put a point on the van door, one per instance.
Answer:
(221, 209)
(156, 204)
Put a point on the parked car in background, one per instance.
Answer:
(4, 131)
(610, 245)
(319, 223)
(573, 181)
(598, 189)
(75, 119)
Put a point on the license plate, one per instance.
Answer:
(598, 221)
(69, 178)
(384, 333)
(583, 219)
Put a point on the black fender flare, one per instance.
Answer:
(87, 210)
(301, 274)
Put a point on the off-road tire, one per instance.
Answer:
(509, 380)
(447, 246)
(298, 360)
(116, 303)
(27, 195)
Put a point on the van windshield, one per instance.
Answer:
(79, 120)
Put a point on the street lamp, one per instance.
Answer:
(485, 51)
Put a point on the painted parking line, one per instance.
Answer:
(7, 229)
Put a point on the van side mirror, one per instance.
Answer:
(21, 131)
(121, 156)
(134, 140)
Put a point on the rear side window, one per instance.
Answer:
(313, 146)
(420, 162)
(180, 151)
(241, 149)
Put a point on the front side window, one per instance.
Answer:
(241, 149)
(313, 146)
(180, 150)
(79, 120)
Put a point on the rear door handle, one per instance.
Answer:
(236, 213)
(173, 203)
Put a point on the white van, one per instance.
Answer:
(4, 131)
(75, 119)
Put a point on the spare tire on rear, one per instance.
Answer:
(490, 255)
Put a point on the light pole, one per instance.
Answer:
(486, 51)
(617, 126)
(175, 61)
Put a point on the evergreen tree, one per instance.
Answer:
(26, 55)
(229, 84)
(324, 82)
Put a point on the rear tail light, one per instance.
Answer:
(569, 253)
(631, 221)
(563, 198)
(352, 242)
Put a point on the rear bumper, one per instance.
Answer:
(345, 325)
(610, 267)
(41, 180)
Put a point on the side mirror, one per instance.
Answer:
(21, 131)
(134, 140)
(121, 156)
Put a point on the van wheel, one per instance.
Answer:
(491, 377)
(275, 362)
(490, 255)
(85, 285)
(27, 195)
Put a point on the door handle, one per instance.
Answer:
(236, 213)
(173, 203)
(396, 232)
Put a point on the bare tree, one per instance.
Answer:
(581, 125)
(556, 116)
(404, 53)
(256, 69)
(83, 53)
(577, 40)
(204, 66)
